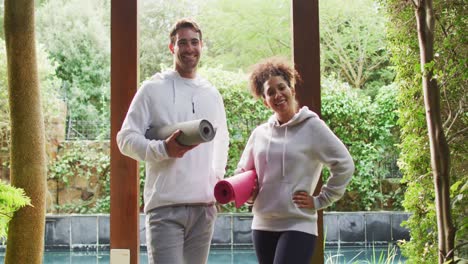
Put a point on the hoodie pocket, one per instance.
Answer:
(274, 200)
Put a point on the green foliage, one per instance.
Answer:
(83, 160)
(89, 161)
(235, 36)
(243, 112)
(52, 105)
(232, 38)
(156, 17)
(81, 50)
(365, 127)
(235, 40)
(2, 28)
(238, 35)
(4, 105)
(353, 44)
(450, 68)
(11, 199)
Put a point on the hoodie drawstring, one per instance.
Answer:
(173, 91)
(284, 151)
(193, 104)
(283, 156)
(269, 143)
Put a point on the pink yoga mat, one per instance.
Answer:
(237, 188)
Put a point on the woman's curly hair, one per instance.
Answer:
(264, 70)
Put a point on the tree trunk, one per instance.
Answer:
(25, 242)
(440, 154)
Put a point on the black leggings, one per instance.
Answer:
(283, 247)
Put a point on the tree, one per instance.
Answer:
(440, 153)
(449, 71)
(25, 242)
(352, 35)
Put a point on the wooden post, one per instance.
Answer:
(306, 56)
(124, 217)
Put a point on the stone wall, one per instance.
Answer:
(87, 185)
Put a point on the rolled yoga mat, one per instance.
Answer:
(193, 132)
(237, 188)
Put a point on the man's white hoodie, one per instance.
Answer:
(168, 99)
(289, 158)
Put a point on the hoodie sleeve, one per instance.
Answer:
(131, 140)
(221, 142)
(333, 153)
(247, 161)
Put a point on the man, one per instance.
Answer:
(178, 193)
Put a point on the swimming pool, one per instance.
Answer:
(343, 255)
(65, 257)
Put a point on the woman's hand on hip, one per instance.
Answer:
(303, 200)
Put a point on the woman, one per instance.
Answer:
(288, 153)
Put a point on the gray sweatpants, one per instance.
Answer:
(180, 234)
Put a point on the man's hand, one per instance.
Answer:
(174, 148)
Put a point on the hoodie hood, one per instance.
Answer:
(303, 114)
(166, 75)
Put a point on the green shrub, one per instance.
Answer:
(80, 47)
(243, 112)
(450, 72)
(365, 127)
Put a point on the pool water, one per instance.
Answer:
(341, 255)
(215, 257)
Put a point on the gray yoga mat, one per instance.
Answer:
(193, 132)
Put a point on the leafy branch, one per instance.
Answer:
(11, 199)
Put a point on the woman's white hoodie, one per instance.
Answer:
(168, 99)
(289, 158)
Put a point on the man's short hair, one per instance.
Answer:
(184, 23)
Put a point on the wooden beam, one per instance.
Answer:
(124, 215)
(306, 57)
